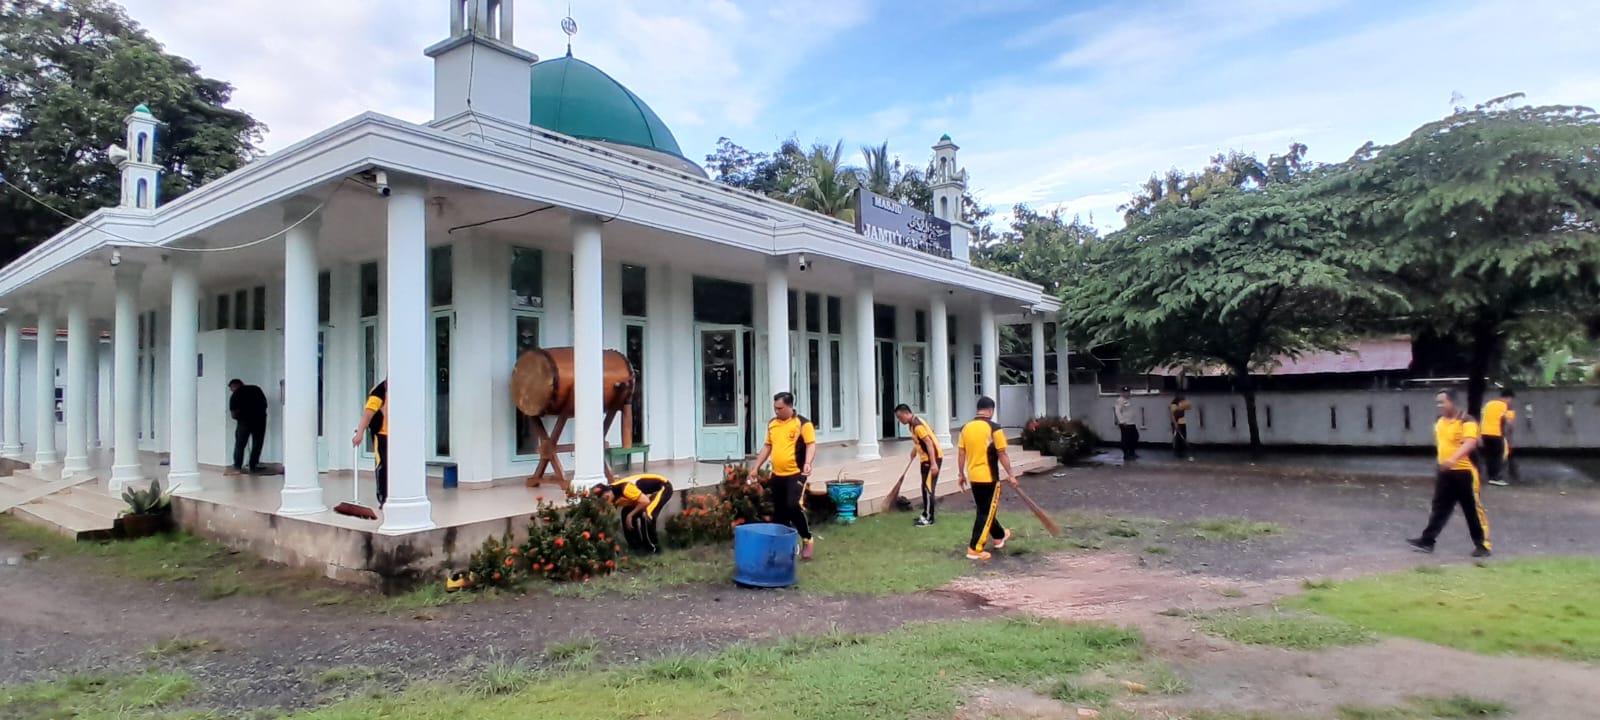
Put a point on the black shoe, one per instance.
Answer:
(1420, 545)
(1481, 552)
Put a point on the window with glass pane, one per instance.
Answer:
(723, 302)
(635, 353)
(258, 308)
(922, 326)
(141, 332)
(837, 417)
(324, 298)
(223, 314)
(950, 330)
(634, 298)
(794, 312)
(834, 325)
(441, 385)
(241, 310)
(527, 278)
(814, 377)
(883, 322)
(813, 312)
(527, 338)
(321, 348)
(369, 357)
(440, 284)
(369, 289)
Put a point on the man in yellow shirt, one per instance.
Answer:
(792, 446)
(1498, 418)
(1180, 426)
(1455, 435)
(981, 454)
(641, 498)
(925, 447)
(376, 410)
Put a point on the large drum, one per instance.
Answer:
(541, 382)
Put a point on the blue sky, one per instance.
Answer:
(1055, 103)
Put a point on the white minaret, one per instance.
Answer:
(140, 173)
(479, 69)
(949, 183)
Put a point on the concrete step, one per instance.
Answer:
(90, 499)
(19, 483)
(65, 520)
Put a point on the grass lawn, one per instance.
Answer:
(1541, 607)
(1292, 629)
(919, 671)
(135, 697)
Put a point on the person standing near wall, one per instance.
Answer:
(1179, 409)
(377, 410)
(925, 446)
(1455, 436)
(1498, 418)
(792, 446)
(981, 455)
(248, 406)
(1128, 425)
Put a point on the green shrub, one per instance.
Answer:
(711, 517)
(1063, 438)
(576, 541)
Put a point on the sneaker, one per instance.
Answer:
(1481, 552)
(978, 555)
(805, 549)
(1420, 545)
(923, 521)
(1001, 543)
(1499, 483)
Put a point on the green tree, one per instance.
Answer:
(1236, 279)
(1041, 248)
(70, 71)
(824, 184)
(1490, 219)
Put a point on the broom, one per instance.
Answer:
(894, 492)
(352, 508)
(1050, 526)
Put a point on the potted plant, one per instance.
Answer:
(147, 513)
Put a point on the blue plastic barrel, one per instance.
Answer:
(763, 555)
(450, 476)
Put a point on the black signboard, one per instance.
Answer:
(891, 222)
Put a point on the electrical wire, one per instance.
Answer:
(498, 219)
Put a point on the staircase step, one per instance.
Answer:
(68, 521)
(90, 499)
(18, 483)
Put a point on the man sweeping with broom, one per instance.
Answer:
(925, 448)
(981, 454)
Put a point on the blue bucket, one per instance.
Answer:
(763, 555)
(450, 476)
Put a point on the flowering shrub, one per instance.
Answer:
(711, 517)
(1066, 439)
(576, 541)
(497, 563)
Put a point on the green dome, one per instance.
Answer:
(575, 98)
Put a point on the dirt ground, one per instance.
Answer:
(267, 653)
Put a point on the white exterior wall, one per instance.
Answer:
(1303, 418)
(28, 364)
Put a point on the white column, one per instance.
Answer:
(80, 343)
(778, 357)
(939, 356)
(989, 351)
(406, 338)
(472, 363)
(44, 391)
(1063, 384)
(866, 377)
(1041, 401)
(125, 469)
(12, 423)
(588, 391)
(967, 392)
(183, 384)
(302, 489)
(102, 378)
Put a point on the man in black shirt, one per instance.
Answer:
(248, 405)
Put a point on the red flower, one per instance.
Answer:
(513, 551)
(615, 548)
(560, 542)
(766, 518)
(509, 562)
(624, 558)
(602, 536)
(497, 576)
(586, 534)
(611, 563)
(550, 567)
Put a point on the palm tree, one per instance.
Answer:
(827, 186)
(879, 174)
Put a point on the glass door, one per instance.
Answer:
(720, 388)
(914, 377)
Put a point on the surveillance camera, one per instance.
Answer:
(116, 257)
(382, 181)
(804, 263)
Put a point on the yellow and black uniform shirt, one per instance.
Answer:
(375, 404)
(627, 491)
(1496, 413)
(982, 439)
(921, 435)
(1179, 410)
(1449, 434)
(789, 439)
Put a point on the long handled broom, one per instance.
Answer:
(894, 492)
(352, 508)
(1050, 525)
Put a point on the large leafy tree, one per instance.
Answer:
(1253, 271)
(824, 184)
(1490, 219)
(70, 71)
